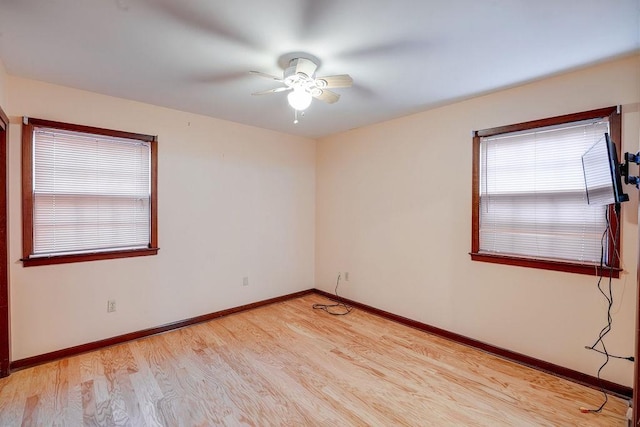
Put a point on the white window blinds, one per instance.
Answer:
(532, 194)
(91, 193)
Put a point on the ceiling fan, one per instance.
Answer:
(299, 79)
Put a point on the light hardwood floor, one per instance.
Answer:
(287, 364)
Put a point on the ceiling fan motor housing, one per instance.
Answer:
(300, 75)
(299, 79)
(304, 66)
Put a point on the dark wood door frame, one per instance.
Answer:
(636, 373)
(5, 342)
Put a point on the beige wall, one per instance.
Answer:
(389, 203)
(393, 208)
(233, 200)
(3, 78)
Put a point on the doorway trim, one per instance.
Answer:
(5, 342)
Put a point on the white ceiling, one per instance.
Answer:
(404, 55)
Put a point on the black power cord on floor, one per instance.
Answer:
(332, 308)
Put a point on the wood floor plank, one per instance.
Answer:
(287, 364)
(88, 404)
(155, 352)
(60, 393)
(147, 393)
(12, 398)
(30, 417)
(73, 412)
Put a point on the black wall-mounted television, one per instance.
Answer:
(602, 173)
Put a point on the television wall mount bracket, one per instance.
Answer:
(624, 169)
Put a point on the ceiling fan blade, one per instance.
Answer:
(342, 80)
(275, 90)
(201, 18)
(265, 75)
(328, 96)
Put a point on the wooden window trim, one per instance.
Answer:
(615, 127)
(27, 195)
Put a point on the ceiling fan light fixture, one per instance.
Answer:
(299, 80)
(299, 99)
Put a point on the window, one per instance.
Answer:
(88, 193)
(529, 201)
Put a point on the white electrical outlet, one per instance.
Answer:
(245, 281)
(111, 306)
(346, 276)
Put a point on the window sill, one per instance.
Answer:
(569, 267)
(64, 259)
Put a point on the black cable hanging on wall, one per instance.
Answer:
(608, 295)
